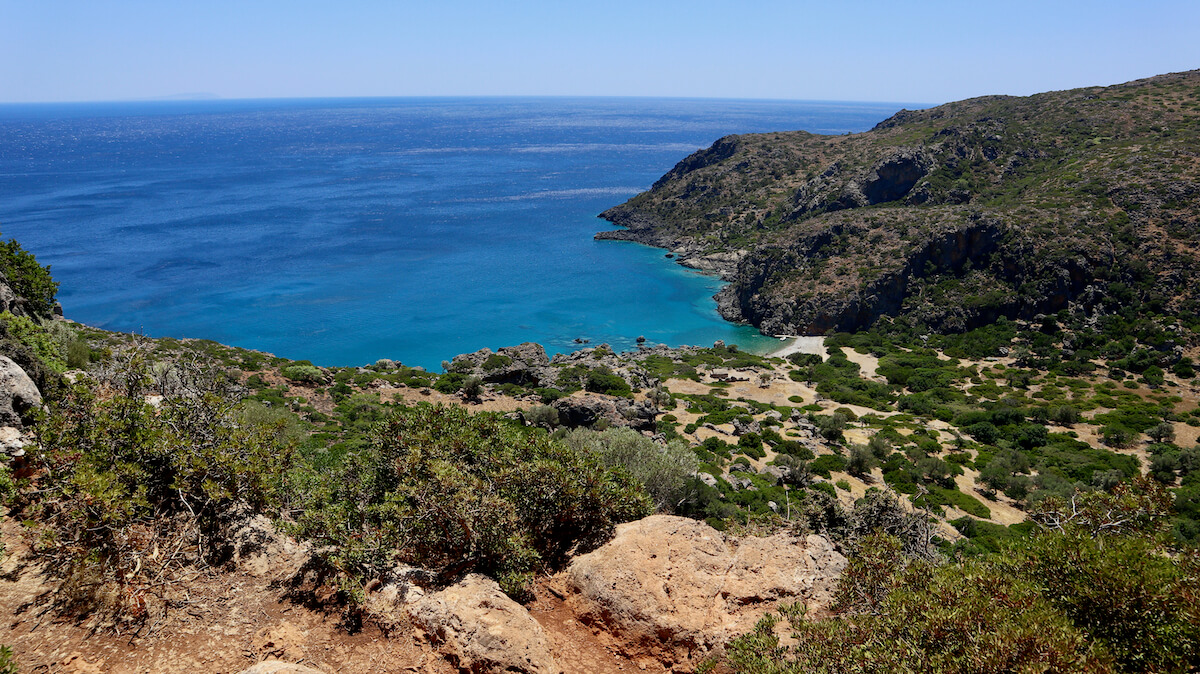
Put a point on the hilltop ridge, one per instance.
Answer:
(948, 217)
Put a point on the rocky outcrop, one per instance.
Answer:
(525, 364)
(258, 549)
(280, 667)
(481, 630)
(679, 589)
(13, 442)
(587, 409)
(889, 179)
(19, 396)
(13, 303)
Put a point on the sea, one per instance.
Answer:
(348, 230)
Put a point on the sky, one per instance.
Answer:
(854, 50)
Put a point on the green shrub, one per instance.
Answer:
(1090, 593)
(457, 492)
(27, 278)
(109, 464)
(495, 362)
(824, 465)
(823, 487)
(8, 661)
(449, 382)
(604, 380)
(303, 373)
(662, 470)
(36, 338)
(542, 415)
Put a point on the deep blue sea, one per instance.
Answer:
(344, 231)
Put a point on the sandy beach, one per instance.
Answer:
(795, 344)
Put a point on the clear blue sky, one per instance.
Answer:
(73, 50)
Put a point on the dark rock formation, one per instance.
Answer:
(524, 364)
(586, 409)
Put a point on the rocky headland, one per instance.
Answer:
(949, 217)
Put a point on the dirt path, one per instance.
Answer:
(223, 622)
(866, 362)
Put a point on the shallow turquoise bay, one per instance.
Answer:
(344, 231)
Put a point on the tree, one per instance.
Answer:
(861, 461)
(1162, 432)
(27, 278)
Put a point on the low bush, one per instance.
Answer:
(662, 470)
(457, 492)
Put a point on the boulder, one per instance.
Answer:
(741, 427)
(259, 549)
(13, 303)
(481, 629)
(13, 442)
(19, 396)
(678, 590)
(585, 409)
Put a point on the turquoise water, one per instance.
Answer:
(344, 231)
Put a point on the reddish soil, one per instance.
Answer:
(220, 622)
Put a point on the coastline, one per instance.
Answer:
(799, 344)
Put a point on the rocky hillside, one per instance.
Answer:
(951, 216)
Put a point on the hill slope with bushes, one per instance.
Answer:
(948, 217)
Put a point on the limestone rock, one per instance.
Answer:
(482, 630)
(678, 589)
(585, 409)
(13, 303)
(19, 396)
(260, 550)
(741, 427)
(280, 667)
(13, 442)
(525, 364)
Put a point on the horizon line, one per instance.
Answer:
(213, 98)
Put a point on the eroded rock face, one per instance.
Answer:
(585, 409)
(524, 364)
(19, 396)
(280, 667)
(11, 302)
(678, 589)
(257, 548)
(482, 630)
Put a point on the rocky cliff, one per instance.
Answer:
(950, 217)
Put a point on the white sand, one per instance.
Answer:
(813, 345)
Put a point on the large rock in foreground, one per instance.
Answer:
(677, 589)
(482, 630)
(19, 396)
